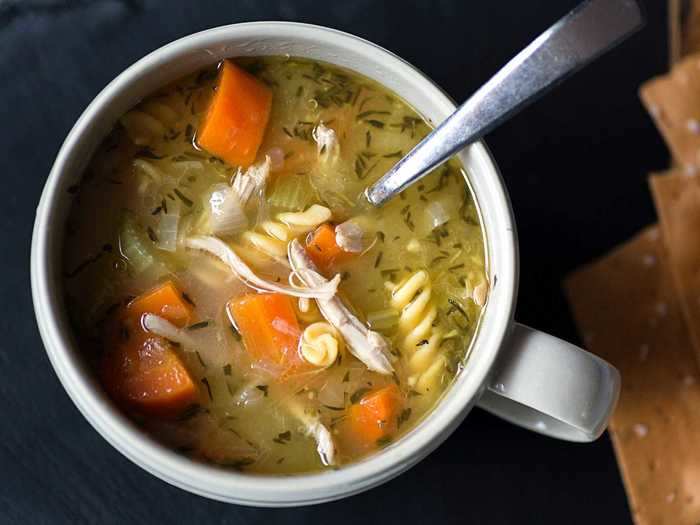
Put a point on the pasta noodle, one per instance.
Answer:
(320, 344)
(275, 235)
(420, 340)
(150, 122)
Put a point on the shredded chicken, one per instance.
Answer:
(254, 178)
(348, 236)
(315, 429)
(368, 346)
(312, 426)
(164, 328)
(325, 290)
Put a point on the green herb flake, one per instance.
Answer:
(375, 123)
(458, 308)
(189, 133)
(395, 155)
(263, 389)
(199, 358)
(404, 416)
(283, 437)
(199, 325)
(87, 262)
(188, 299)
(227, 369)
(366, 114)
(147, 153)
(190, 412)
(237, 464)
(187, 201)
(378, 260)
(383, 441)
(151, 234)
(205, 382)
(358, 394)
(235, 332)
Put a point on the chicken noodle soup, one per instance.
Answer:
(238, 297)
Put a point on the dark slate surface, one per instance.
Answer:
(575, 165)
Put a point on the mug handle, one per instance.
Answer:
(547, 385)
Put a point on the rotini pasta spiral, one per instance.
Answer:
(275, 235)
(420, 340)
(320, 344)
(150, 122)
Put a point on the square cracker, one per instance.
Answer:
(626, 310)
(677, 199)
(673, 100)
(690, 26)
(684, 28)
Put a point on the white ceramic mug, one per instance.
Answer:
(525, 376)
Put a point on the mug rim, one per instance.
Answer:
(298, 489)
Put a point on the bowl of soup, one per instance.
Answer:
(221, 302)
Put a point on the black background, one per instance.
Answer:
(575, 165)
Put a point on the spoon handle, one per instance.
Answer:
(592, 28)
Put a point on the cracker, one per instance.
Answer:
(684, 28)
(677, 199)
(690, 28)
(673, 100)
(627, 312)
(675, 32)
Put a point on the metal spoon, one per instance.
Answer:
(588, 31)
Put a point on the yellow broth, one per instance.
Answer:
(112, 254)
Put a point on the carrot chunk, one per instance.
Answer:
(150, 377)
(269, 328)
(235, 122)
(141, 370)
(166, 301)
(323, 249)
(375, 416)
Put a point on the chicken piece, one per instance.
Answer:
(223, 251)
(254, 178)
(368, 346)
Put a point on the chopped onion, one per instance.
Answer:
(348, 236)
(437, 215)
(332, 393)
(149, 169)
(276, 155)
(226, 211)
(167, 231)
(326, 140)
(220, 249)
(249, 395)
(383, 320)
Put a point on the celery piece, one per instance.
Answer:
(291, 192)
(134, 245)
(383, 320)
